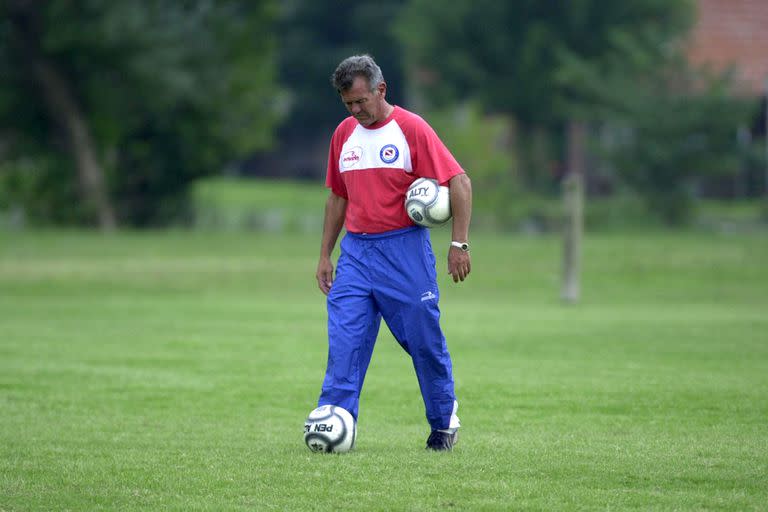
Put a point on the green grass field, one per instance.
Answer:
(173, 371)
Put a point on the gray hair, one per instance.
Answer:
(354, 66)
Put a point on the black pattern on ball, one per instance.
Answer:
(314, 439)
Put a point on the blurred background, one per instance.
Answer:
(217, 114)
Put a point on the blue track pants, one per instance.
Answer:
(390, 275)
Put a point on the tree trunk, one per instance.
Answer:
(68, 115)
(573, 202)
(64, 110)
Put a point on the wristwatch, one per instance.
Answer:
(464, 246)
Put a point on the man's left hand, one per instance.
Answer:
(459, 264)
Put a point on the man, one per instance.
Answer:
(386, 267)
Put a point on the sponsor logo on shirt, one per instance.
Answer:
(389, 153)
(428, 296)
(351, 157)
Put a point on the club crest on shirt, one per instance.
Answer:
(352, 157)
(389, 153)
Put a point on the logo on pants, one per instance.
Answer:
(428, 296)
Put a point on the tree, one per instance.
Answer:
(61, 105)
(313, 39)
(139, 98)
(508, 55)
(672, 124)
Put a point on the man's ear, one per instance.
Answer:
(382, 88)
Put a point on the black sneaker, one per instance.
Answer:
(442, 441)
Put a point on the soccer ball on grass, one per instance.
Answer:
(428, 203)
(330, 429)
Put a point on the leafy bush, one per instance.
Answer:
(482, 145)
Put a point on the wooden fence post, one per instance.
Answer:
(573, 205)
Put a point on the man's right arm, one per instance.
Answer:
(335, 210)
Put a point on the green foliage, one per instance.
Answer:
(669, 149)
(171, 91)
(314, 37)
(39, 187)
(618, 64)
(172, 371)
(508, 54)
(670, 124)
(482, 146)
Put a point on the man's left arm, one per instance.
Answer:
(459, 264)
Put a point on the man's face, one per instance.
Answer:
(367, 106)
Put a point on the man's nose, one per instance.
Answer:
(354, 108)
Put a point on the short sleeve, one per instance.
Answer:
(430, 157)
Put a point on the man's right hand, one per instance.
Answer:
(324, 275)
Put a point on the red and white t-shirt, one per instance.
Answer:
(373, 166)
